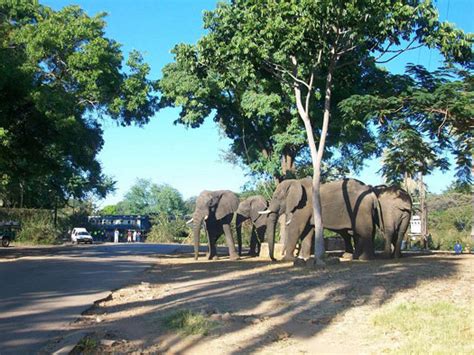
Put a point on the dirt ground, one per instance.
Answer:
(263, 307)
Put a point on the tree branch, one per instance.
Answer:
(284, 71)
(407, 48)
(299, 103)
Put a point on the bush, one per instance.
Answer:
(449, 220)
(166, 230)
(38, 229)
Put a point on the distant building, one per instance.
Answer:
(120, 222)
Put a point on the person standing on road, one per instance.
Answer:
(139, 236)
(129, 236)
(116, 236)
(134, 236)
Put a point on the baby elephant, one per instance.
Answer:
(248, 209)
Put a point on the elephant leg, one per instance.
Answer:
(253, 242)
(389, 237)
(347, 242)
(209, 242)
(348, 249)
(260, 234)
(230, 242)
(364, 248)
(305, 251)
(402, 228)
(212, 238)
(291, 238)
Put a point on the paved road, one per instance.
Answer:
(46, 289)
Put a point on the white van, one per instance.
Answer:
(80, 235)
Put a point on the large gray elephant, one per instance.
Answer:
(248, 209)
(216, 209)
(349, 207)
(395, 213)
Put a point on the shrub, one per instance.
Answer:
(38, 229)
(167, 230)
(449, 220)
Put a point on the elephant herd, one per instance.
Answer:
(349, 207)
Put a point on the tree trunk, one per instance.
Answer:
(287, 164)
(423, 214)
(22, 191)
(317, 154)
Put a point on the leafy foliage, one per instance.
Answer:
(450, 219)
(254, 108)
(58, 75)
(146, 197)
(167, 230)
(423, 116)
(38, 229)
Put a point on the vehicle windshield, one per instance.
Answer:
(82, 233)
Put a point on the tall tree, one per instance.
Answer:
(146, 197)
(59, 74)
(257, 112)
(306, 43)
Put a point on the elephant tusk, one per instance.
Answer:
(205, 218)
(190, 221)
(264, 212)
(287, 223)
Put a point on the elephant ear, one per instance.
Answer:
(228, 203)
(294, 196)
(258, 204)
(244, 208)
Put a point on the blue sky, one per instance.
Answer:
(190, 159)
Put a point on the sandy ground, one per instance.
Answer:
(264, 308)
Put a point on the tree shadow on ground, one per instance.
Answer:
(285, 295)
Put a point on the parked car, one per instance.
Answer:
(8, 230)
(81, 235)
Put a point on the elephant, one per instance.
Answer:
(216, 209)
(248, 209)
(349, 208)
(395, 213)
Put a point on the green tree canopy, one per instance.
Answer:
(59, 74)
(427, 117)
(257, 111)
(146, 197)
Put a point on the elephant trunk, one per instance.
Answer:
(272, 220)
(238, 226)
(197, 222)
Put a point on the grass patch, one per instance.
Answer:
(87, 345)
(434, 328)
(189, 323)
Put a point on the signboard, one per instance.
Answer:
(415, 225)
